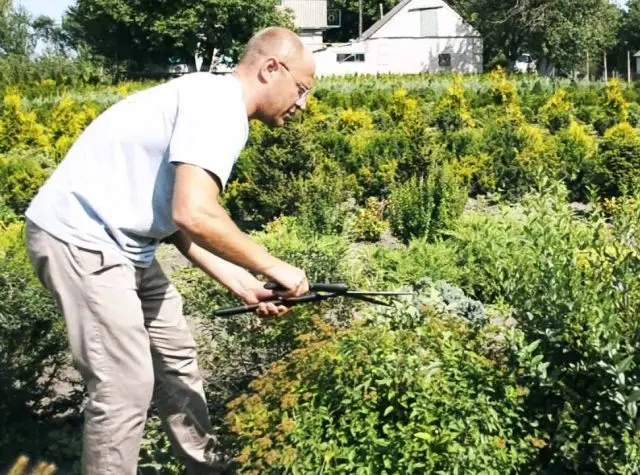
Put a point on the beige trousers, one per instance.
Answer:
(130, 342)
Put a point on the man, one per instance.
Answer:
(149, 168)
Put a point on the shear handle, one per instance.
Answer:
(229, 312)
(338, 288)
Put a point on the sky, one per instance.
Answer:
(52, 8)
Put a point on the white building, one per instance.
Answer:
(637, 56)
(415, 36)
(312, 18)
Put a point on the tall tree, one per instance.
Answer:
(52, 35)
(143, 32)
(15, 30)
(575, 29)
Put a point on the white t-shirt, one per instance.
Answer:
(114, 188)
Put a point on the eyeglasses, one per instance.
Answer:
(303, 91)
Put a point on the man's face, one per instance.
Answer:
(288, 88)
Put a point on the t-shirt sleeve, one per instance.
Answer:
(210, 127)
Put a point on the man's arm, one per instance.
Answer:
(244, 285)
(199, 215)
(231, 276)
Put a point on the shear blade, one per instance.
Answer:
(356, 293)
(371, 300)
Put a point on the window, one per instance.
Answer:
(429, 22)
(444, 60)
(350, 57)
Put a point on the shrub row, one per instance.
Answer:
(369, 138)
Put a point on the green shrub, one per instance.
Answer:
(476, 173)
(368, 224)
(577, 155)
(431, 298)
(375, 158)
(30, 74)
(452, 112)
(33, 358)
(505, 95)
(68, 120)
(324, 198)
(518, 154)
(21, 175)
(464, 142)
(618, 161)
(235, 350)
(380, 401)
(383, 266)
(634, 114)
(156, 454)
(263, 183)
(7, 214)
(557, 113)
(19, 128)
(574, 291)
(614, 109)
(425, 206)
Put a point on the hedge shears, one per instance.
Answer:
(317, 292)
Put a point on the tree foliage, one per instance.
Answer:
(350, 17)
(563, 31)
(631, 24)
(144, 32)
(15, 34)
(52, 35)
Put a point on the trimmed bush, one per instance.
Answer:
(376, 401)
(619, 161)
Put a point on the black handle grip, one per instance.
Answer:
(340, 288)
(231, 311)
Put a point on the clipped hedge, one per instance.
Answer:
(375, 401)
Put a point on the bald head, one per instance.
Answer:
(277, 72)
(277, 42)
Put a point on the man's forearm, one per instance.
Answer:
(218, 234)
(233, 277)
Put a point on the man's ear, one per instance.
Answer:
(268, 69)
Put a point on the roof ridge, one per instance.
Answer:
(399, 6)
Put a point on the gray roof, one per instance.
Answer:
(388, 16)
(637, 55)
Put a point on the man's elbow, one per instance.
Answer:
(196, 221)
(189, 219)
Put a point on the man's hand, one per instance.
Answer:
(257, 295)
(289, 277)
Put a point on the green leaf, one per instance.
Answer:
(424, 436)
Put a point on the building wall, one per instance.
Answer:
(406, 23)
(311, 14)
(312, 39)
(403, 55)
